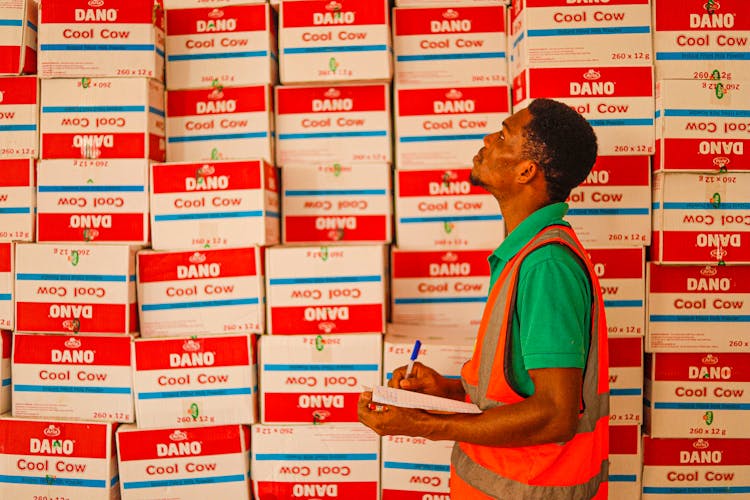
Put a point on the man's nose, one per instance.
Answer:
(489, 139)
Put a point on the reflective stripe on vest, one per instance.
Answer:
(571, 470)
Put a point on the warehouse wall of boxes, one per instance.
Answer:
(220, 220)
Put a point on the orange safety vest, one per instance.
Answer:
(574, 470)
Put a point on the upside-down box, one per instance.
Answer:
(17, 199)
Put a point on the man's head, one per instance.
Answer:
(547, 135)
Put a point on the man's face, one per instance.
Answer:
(493, 163)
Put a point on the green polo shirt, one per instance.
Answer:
(552, 320)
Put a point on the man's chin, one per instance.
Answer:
(475, 180)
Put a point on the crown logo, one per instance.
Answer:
(709, 271)
(333, 6)
(191, 345)
(454, 94)
(216, 93)
(197, 258)
(721, 161)
(710, 359)
(216, 14)
(52, 431)
(332, 93)
(72, 343)
(326, 326)
(96, 3)
(178, 435)
(450, 14)
(206, 170)
(592, 74)
(450, 257)
(718, 253)
(700, 444)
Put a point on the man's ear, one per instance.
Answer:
(527, 171)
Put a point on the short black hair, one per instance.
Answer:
(562, 143)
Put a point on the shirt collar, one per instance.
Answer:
(528, 228)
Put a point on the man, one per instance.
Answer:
(539, 368)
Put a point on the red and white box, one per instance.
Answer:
(72, 378)
(102, 118)
(330, 40)
(6, 339)
(701, 218)
(189, 382)
(444, 349)
(17, 199)
(214, 204)
(58, 459)
(447, 288)
(565, 33)
(414, 468)
(220, 123)
(625, 380)
(184, 464)
(220, 44)
(698, 308)
(346, 203)
(101, 38)
(445, 126)
(625, 457)
(697, 394)
(75, 288)
(612, 206)
(703, 467)
(315, 461)
(93, 201)
(703, 41)
(622, 276)
(450, 46)
(6, 285)
(314, 379)
(19, 115)
(18, 36)
(312, 290)
(618, 102)
(222, 289)
(322, 125)
(702, 126)
(441, 209)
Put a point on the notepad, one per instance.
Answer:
(409, 399)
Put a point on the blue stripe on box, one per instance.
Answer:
(622, 122)
(93, 109)
(198, 393)
(71, 277)
(464, 218)
(623, 303)
(702, 56)
(349, 48)
(701, 406)
(210, 215)
(451, 57)
(53, 481)
(234, 478)
(275, 367)
(435, 138)
(622, 478)
(17, 128)
(416, 466)
(156, 111)
(625, 392)
(71, 389)
(6, 382)
(218, 137)
(709, 113)
(722, 490)
(441, 300)
(319, 280)
(704, 206)
(11, 22)
(220, 55)
(331, 135)
(89, 188)
(608, 211)
(708, 318)
(97, 47)
(15, 210)
(32, 26)
(335, 192)
(613, 30)
(315, 456)
(202, 303)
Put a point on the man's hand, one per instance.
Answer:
(389, 420)
(427, 381)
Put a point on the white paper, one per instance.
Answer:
(409, 399)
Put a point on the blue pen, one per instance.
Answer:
(412, 358)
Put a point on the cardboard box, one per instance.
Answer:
(19, 115)
(18, 37)
(564, 33)
(93, 201)
(222, 289)
(622, 278)
(450, 46)
(73, 378)
(214, 204)
(698, 308)
(75, 289)
(618, 102)
(315, 461)
(312, 290)
(441, 288)
(314, 379)
(322, 40)
(220, 123)
(6, 339)
(356, 117)
(612, 206)
(194, 382)
(52, 458)
(701, 218)
(414, 467)
(17, 199)
(357, 198)
(7, 282)
(709, 469)
(625, 380)
(445, 126)
(444, 349)
(697, 394)
(702, 126)
(625, 456)
(84, 39)
(225, 44)
(441, 209)
(102, 118)
(695, 41)
(189, 464)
